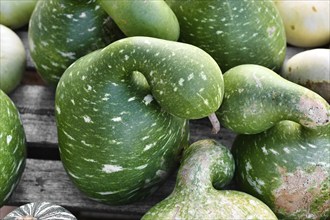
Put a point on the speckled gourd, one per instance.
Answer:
(233, 32)
(288, 168)
(143, 18)
(61, 31)
(207, 166)
(256, 98)
(118, 138)
(12, 147)
(40, 211)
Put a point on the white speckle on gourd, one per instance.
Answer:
(9, 138)
(141, 167)
(147, 99)
(107, 193)
(116, 119)
(110, 168)
(58, 110)
(45, 67)
(286, 150)
(181, 80)
(69, 136)
(86, 144)
(70, 55)
(131, 99)
(69, 16)
(274, 151)
(311, 145)
(87, 119)
(149, 146)
(82, 15)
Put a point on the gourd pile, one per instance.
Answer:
(129, 75)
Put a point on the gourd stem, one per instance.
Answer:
(215, 123)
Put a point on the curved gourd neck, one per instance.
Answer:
(185, 81)
(205, 166)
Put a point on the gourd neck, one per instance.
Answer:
(206, 165)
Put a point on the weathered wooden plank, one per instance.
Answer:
(45, 180)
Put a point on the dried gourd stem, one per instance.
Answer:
(215, 123)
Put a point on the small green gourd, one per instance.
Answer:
(288, 168)
(61, 31)
(256, 98)
(152, 18)
(206, 166)
(12, 147)
(118, 138)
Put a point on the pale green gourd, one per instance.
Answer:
(152, 18)
(207, 165)
(256, 98)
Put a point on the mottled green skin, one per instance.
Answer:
(256, 98)
(12, 147)
(41, 211)
(61, 31)
(288, 168)
(117, 140)
(206, 164)
(233, 32)
(152, 18)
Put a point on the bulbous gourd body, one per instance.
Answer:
(12, 147)
(205, 165)
(257, 98)
(287, 167)
(118, 138)
(143, 18)
(233, 32)
(61, 31)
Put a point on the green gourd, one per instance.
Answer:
(288, 168)
(206, 166)
(40, 211)
(256, 98)
(119, 139)
(233, 32)
(61, 31)
(12, 147)
(152, 18)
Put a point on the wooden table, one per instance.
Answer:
(44, 178)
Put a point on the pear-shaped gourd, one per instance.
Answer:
(288, 168)
(61, 31)
(206, 164)
(118, 139)
(12, 147)
(256, 98)
(233, 32)
(40, 211)
(143, 18)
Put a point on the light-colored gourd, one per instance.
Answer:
(311, 69)
(307, 23)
